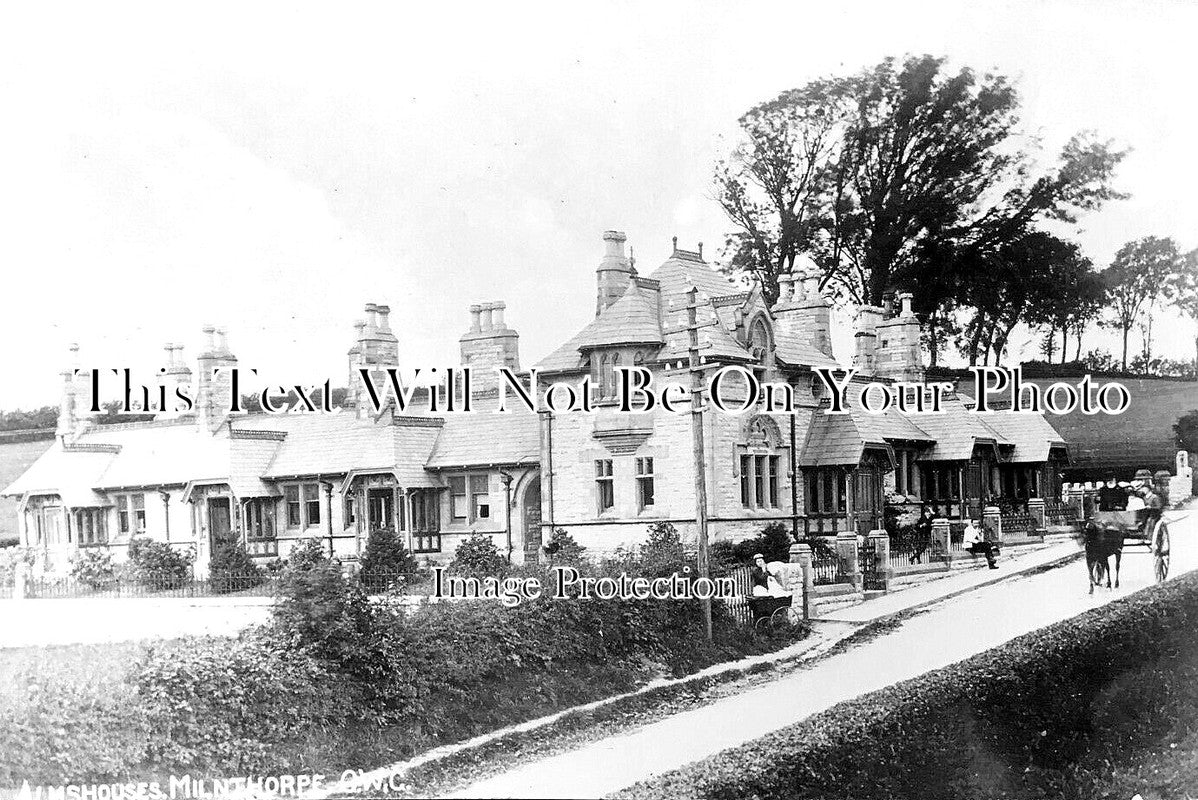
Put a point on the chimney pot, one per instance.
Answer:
(498, 307)
(475, 311)
(486, 309)
(209, 341)
(906, 298)
(384, 313)
(785, 288)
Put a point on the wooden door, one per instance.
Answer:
(220, 520)
(531, 513)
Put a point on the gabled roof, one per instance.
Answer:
(890, 425)
(641, 316)
(633, 319)
(1031, 434)
(838, 440)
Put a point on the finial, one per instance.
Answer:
(675, 242)
(700, 250)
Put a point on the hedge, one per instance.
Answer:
(339, 681)
(979, 728)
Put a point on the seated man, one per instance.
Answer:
(976, 543)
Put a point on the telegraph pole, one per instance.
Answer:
(695, 367)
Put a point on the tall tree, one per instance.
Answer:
(890, 176)
(780, 179)
(1032, 279)
(1142, 273)
(1073, 289)
(1185, 293)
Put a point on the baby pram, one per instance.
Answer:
(770, 611)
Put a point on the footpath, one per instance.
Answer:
(815, 674)
(941, 623)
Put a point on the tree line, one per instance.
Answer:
(913, 176)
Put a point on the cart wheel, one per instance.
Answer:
(762, 625)
(780, 619)
(1162, 567)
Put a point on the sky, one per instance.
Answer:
(272, 168)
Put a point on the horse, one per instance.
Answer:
(1103, 538)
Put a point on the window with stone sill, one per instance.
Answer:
(302, 501)
(759, 481)
(130, 514)
(645, 488)
(469, 498)
(605, 489)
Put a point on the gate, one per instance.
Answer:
(738, 604)
(873, 571)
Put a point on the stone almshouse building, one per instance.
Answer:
(604, 476)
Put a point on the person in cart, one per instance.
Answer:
(1149, 517)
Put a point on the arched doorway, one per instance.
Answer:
(530, 513)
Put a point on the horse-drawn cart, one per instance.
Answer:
(1105, 533)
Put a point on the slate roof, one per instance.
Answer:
(832, 440)
(637, 317)
(1032, 435)
(111, 457)
(70, 475)
(796, 350)
(161, 456)
(633, 319)
(956, 431)
(484, 438)
(336, 444)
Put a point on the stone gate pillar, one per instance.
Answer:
(802, 579)
(846, 552)
(1035, 507)
(942, 539)
(992, 524)
(879, 542)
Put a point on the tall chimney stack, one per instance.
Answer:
(614, 272)
(487, 346)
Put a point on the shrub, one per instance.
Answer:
(157, 565)
(477, 557)
(9, 541)
(563, 550)
(231, 569)
(386, 561)
(307, 554)
(56, 731)
(980, 727)
(93, 568)
(250, 705)
(662, 553)
(773, 542)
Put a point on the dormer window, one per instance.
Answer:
(604, 375)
